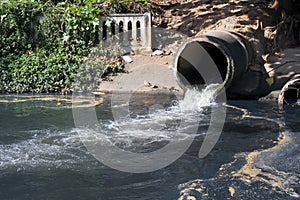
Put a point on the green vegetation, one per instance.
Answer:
(43, 43)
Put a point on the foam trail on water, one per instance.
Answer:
(61, 148)
(160, 125)
(45, 147)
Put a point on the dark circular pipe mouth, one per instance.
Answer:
(220, 57)
(189, 70)
(290, 93)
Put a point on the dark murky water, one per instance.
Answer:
(42, 156)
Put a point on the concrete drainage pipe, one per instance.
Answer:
(290, 93)
(196, 60)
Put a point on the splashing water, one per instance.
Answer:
(158, 127)
(46, 147)
(196, 99)
(60, 148)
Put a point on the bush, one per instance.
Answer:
(19, 19)
(31, 73)
(102, 61)
(43, 43)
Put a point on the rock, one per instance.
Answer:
(148, 84)
(158, 53)
(127, 59)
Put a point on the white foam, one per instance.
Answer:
(160, 125)
(43, 148)
(197, 100)
(57, 148)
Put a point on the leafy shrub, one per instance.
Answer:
(18, 25)
(102, 61)
(43, 43)
(31, 73)
(5, 70)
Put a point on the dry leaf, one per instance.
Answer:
(232, 191)
(270, 81)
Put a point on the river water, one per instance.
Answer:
(43, 156)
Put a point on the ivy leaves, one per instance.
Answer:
(40, 72)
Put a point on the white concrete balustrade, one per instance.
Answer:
(128, 30)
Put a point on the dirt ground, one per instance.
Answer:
(269, 30)
(145, 74)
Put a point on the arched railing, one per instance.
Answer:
(132, 30)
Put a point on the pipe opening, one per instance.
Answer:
(218, 57)
(291, 95)
(188, 73)
(188, 69)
